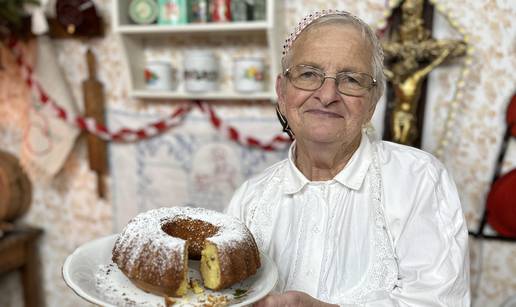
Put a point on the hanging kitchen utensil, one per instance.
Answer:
(94, 108)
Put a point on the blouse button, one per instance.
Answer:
(315, 229)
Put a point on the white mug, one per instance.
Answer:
(159, 75)
(248, 75)
(201, 71)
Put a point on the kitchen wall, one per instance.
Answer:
(69, 211)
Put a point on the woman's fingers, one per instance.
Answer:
(289, 299)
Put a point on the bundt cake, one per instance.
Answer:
(154, 248)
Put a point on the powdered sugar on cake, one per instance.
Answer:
(144, 235)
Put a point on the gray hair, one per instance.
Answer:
(345, 18)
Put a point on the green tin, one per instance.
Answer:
(198, 11)
(172, 12)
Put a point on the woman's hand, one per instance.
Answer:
(290, 299)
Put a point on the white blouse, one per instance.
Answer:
(388, 230)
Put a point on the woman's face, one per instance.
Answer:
(325, 115)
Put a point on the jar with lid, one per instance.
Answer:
(201, 71)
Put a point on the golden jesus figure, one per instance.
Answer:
(411, 55)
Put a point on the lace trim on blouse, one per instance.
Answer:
(382, 274)
(260, 215)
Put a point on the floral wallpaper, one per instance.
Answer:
(69, 211)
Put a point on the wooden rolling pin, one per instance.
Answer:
(94, 107)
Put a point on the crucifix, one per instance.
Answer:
(410, 55)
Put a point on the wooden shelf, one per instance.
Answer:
(137, 38)
(153, 94)
(229, 27)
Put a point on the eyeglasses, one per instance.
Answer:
(348, 83)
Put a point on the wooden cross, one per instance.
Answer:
(410, 55)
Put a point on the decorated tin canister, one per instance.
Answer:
(259, 10)
(248, 74)
(201, 71)
(143, 11)
(198, 11)
(239, 10)
(220, 10)
(172, 12)
(159, 75)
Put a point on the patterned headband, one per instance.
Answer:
(305, 22)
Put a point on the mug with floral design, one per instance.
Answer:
(159, 75)
(248, 74)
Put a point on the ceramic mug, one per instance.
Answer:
(159, 75)
(248, 75)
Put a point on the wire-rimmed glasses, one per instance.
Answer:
(349, 83)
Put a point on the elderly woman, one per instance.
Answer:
(349, 219)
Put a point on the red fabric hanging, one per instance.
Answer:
(511, 115)
(501, 205)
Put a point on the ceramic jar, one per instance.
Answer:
(201, 71)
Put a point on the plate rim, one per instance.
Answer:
(68, 280)
(65, 273)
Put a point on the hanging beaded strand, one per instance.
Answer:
(458, 95)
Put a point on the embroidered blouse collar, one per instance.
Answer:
(352, 176)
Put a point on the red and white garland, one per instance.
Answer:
(233, 134)
(90, 125)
